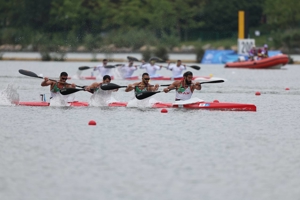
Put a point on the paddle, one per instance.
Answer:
(112, 86)
(66, 91)
(32, 74)
(132, 58)
(146, 94)
(87, 67)
(196, 67)
(157, 59)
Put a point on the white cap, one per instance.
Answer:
(266, 46)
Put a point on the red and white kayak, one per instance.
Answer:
(189, 104)
(44, 103)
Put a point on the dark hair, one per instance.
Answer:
(106, 77)
(64, 74)
(104, 60)
(145, 74)
(178, 60)
(187, 73)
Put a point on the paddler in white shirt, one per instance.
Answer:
(176, 69)
(56, 86)
(127, 69)
(142, 86)
(102, 69)
(151, 68)
(184, 88)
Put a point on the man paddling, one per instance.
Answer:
(56, 86)
(102, 69)
(142, 86)
(184, 88)
(127, 70)
(96, 85)
(176, 69)
(151, 68)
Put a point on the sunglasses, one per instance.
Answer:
(64, 79)
(146, 79)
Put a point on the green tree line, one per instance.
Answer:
(134, 23)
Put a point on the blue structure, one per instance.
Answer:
(224, 56)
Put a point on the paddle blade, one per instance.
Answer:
(216, 81)
(195, 67)
(28, 73)
(111, 86)
(132, 58)
(109, 66)
(156, 59)
(67, 91)
(84, 67)
(144, 95)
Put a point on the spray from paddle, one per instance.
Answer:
(9, 96)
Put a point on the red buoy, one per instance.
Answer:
(287, 88)
(92, 123)
(164, 110)
(257, 93)
(216, 101)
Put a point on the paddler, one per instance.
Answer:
(184, 88)
(128, 69)
(56, 86)
(142, 86)
(151, 68)
(96, 85)
(176, 69)
(103, 69)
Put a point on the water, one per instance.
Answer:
(140, 153)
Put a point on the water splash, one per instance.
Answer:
(9, 96)
(61, 100)
(102, 98)
(145, 103)
(77, 75)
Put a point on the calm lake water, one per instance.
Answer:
(51, 153)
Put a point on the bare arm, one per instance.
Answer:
(92, 86)
(46, 82)
(130, 87)
(172, 86)
(197, 86)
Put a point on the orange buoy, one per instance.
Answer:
(257, 93)
(164, 110)
(92, 123)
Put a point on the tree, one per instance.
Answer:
(282, 13)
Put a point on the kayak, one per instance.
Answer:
(274, 62)
(189, 104)
(44, 103)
